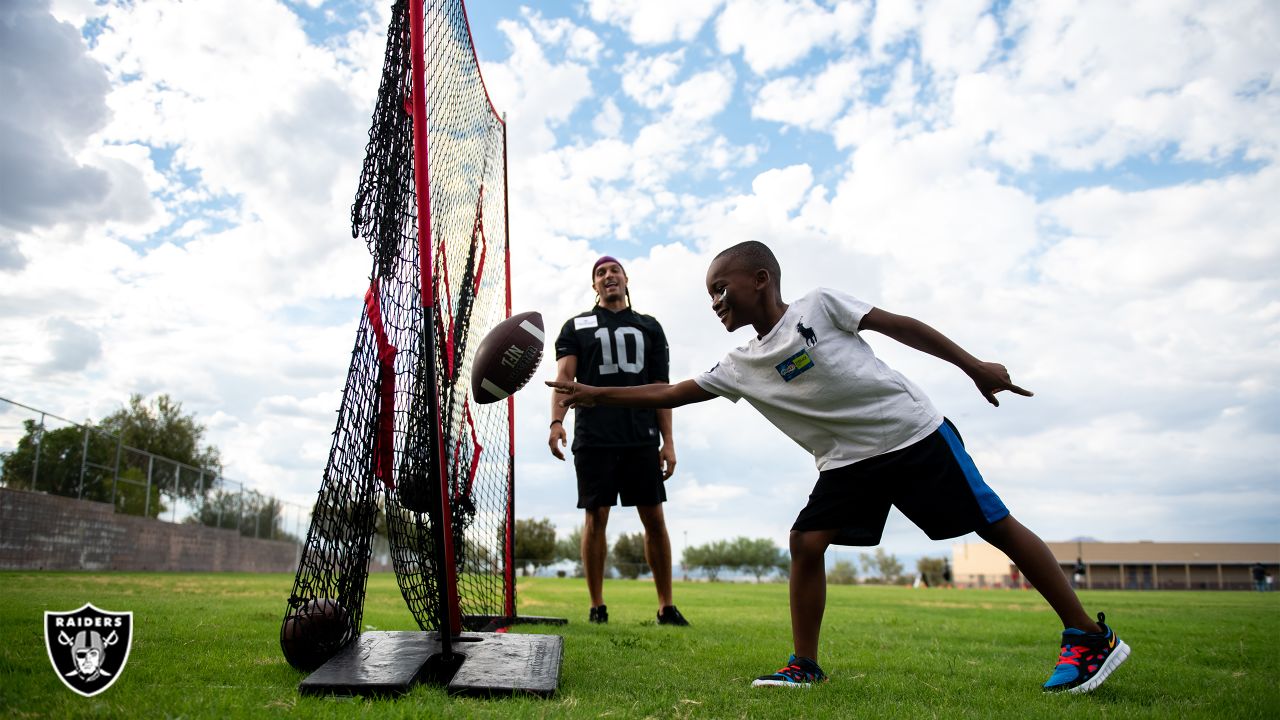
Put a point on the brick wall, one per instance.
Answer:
(48, 532)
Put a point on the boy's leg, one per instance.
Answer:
(657, 551)
(595, 548)
(1040, 568)
(808, 588)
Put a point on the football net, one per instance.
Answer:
(407, 423)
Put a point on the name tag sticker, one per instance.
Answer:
(587, 321)
(794, 366)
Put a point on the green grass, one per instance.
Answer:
(205, 645)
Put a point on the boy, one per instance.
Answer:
(877, 440)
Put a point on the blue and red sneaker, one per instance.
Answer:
(799, 672)
(1086, 659)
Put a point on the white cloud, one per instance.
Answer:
(608, 121)
(536, 93)
(1105, 82)
(810, 102)
(648, 79)
(579, 42)
(773, 35)
(649, 23)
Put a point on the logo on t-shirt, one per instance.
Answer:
(810, 337)
(794, 366)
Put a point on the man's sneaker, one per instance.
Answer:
(599, 614)
(1087, 659)
(671, 616)
(799, 672)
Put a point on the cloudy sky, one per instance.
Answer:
(1077, 190)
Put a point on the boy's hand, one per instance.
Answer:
(573, 394)
(991, 378)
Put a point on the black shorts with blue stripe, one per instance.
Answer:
(933, 482)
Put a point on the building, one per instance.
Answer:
(1141, 565)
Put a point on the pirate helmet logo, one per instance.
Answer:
(88, 647)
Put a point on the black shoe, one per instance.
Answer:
(599, 614)
(671, 616)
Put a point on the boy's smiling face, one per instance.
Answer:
(733, 291)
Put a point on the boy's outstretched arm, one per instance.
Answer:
(657, 395)
(990, 377)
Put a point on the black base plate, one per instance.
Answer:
(390, 663)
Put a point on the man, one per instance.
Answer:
(616, 450)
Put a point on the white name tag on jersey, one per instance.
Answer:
(587, 321)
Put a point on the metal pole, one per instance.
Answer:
(115, 477)
(84, 460)
(35, 467)
(146, 512)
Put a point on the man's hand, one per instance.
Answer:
(572, 394)
(557, 440)
(667, 461)
(991, 378)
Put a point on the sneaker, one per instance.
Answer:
(599, 614)
(1087, 659)
(671, 616)
(799, 672)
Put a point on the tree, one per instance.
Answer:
(249, 513)
(51, 461)
(161, 428)
(628, 555)
(570, 548)
(710, 558)
(82, 461)
(535, 543)
(758, 557)
(882, 567)
(931, 569)
(842, 573)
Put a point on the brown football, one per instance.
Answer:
(314, 631)
(507, 357)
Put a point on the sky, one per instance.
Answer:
(1078, 190)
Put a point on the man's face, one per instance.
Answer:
(733, 292)
(87, 660)
(609, 281)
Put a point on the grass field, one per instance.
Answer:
(205, 646)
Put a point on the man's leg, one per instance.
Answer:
(808, 588)
(595, 547)
(657, 551)
(1040, 568)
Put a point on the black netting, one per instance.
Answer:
(384, 456)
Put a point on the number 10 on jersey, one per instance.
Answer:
(623, 360)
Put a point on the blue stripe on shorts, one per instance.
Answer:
(992, 508)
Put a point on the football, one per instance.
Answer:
(507, 357)
(314, 632)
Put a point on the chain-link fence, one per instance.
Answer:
(43, 452)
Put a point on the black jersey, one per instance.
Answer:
(615, 349)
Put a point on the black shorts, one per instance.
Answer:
(933, 482)
(635, 473)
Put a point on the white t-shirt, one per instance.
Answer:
(818, 381)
